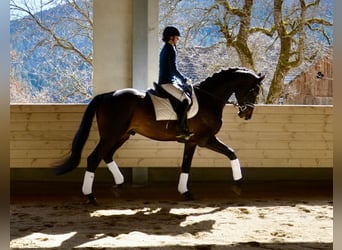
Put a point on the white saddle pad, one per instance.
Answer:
(164, 111)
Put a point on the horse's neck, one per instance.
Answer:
(220, 94)
(221, 85)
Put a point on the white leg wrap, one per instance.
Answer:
(237, 175)
(88, 180)
(118, 177)
(183, 183)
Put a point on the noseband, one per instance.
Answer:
(242, 107)
(245, 106)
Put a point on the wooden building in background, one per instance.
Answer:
(313, 87)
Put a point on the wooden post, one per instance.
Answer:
(145, 56)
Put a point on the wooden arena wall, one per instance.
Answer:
(276, 136)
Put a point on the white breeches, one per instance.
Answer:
(175, 91)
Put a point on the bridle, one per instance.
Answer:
(242, 107)
(245, 105)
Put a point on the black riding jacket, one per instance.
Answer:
(168, 65)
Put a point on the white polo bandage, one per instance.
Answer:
(88, 183)
(118, 177)
(235, 164)
(183, 183)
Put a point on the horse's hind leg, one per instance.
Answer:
(111, 164)
(93, 161)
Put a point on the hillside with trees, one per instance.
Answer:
(51, 43)
(51, 51)
(276, 37)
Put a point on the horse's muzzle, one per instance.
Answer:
(246, 111)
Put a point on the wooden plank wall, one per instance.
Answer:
(276, 136)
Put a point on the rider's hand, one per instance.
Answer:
(188, 81)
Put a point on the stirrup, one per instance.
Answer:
(186, 135)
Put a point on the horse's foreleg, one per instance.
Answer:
(188, 154)
(216, 145)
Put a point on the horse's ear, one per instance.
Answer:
(261, 77)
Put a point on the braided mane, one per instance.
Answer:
(219, 76)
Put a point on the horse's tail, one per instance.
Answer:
(80, 138)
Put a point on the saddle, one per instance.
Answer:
(164, 109)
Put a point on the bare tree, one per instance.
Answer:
(59, 39)
(237, 37)
(287, 30)
(232, 21)
(291, 25)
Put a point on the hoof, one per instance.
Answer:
(188, 196)
(238, 183)
(119, 186)
(237, 187)
(91, 199)
(116, 190)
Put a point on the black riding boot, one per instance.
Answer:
(182, 130)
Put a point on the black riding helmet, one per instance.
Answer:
(170, 31)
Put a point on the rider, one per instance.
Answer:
(173, 82)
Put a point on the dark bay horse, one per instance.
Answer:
(124, 112)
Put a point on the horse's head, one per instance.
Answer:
(247, 94)
(241, 81)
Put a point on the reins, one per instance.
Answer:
(235, 104)
(223, 102)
